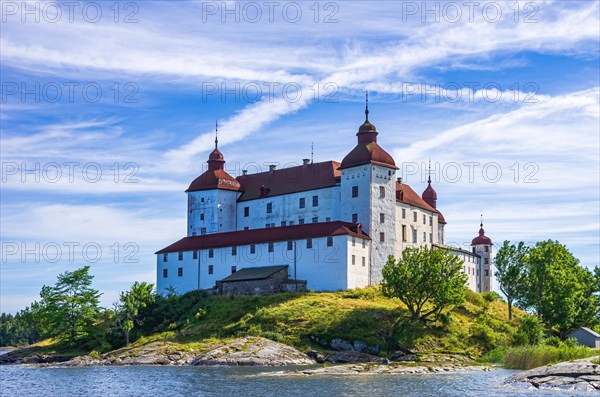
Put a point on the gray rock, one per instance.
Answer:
(253, 351)
(359, 346)
(341, 345)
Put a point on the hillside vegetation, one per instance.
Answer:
(311, 320)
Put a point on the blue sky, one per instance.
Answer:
(502, 94)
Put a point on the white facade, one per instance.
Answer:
(363, 189)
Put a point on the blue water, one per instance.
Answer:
(248, 382)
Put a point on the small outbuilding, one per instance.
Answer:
(586, 337)
(258, 281)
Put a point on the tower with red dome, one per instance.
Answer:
(482, 246)
(212, 198)
(368, 192)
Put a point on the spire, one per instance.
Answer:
(429, 170)
(367, 105)
(312, 152)
(481, 219)
(216, 134)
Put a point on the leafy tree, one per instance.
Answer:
(71, 305)
(127, 310)
(426, 280)
(558, 289)
(530, 332)
(510, 270)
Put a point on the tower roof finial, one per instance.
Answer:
(367, 105)
(429, 173)
(216, 133)
(312, 152)
(481, 219)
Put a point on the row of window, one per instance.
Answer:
(364, 260)
(301, 221)
(414, 235)
(211, 270)
(301, 204)
(416, 217)
(271, 248)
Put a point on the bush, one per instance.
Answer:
(530, 332)
(492, 296)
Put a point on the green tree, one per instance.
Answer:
(558, 289)
(510, 270)
(127, 310)
(70, 307)
(426, 280)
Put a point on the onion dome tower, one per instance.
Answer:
(212, 197)
(482, 246)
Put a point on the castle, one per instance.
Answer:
(332, 225)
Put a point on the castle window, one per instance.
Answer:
(430, 238)
(180, 256)
(364, 261)
(403, 213)
(302, 202)
(246, 228)
(329, 241)
(179, 272)
(290, 245)
(211, 253)
(473, 249)
(269, 208)
(291, 223)
(354, 191)
(354, 259)
(364, 243)
(382, 218)
(267, 225)
(414, 216)
(309, 243)
(203, 231)
(414, 235)
(252, 249)
(233, 251)
(353, 241)
(424, 236)
(487, 273)
(233, 269)
(354, 218)
(283, 223)
(202, 199)
(246, 212)
(165, 273)
(201, 217)
(315, 219)
(486, 248)
(424, 219)
(486, 261)
(271, 247)
(301, 221)
(381, 191)
(403, 232)
(315, 201)
(195, 254)
(210, 269)
(165, 257)
(431, 221)
(382, 237)
(328, 219)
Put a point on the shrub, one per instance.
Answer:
(530, 332)
(492, 296)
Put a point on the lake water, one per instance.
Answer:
(248, 382)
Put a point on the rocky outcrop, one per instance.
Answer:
(577, 375)
(378, 369)
(253, 351)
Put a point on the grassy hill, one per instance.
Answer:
(312, 320)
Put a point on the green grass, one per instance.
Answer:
(311, 320)
(528, 357)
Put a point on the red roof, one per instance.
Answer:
(367, 151)
(482, 238)
(266, 235)
(405, 194)
(214, 179)
(289, 180)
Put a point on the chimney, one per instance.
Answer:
(305, 162)
(272, 167)
(400, 180)
(244, 172)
